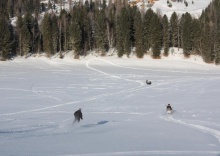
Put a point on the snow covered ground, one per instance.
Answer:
(122, 115)
(194, 7)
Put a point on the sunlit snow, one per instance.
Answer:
(121, 114)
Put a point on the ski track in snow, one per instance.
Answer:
(203, 129)
(141, 86)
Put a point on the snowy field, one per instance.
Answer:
(122, 116)
(194, 7)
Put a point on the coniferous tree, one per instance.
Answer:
(156, 38)
(75, 39)
(138, 35)
(35, 36)
(174, 29)
(100, 32)
(147, 32)
(37, 7)
(19, 24)
(119, 37)
(54, 34)
(111, 27)
(217, 50)
(196, 36)
(217, 46)
(25, 40)
(125, 21)
(123, 43)
(132, 13)
(88, 36)
(206, 44)
(5, 39)
(187, 34)
(46, 35)
(29, 21)
(166, 35)
(10, 8)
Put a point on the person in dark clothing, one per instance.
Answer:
(78, 115)
(169, 108)
(148, 82)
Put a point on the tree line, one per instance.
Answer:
(97, 26)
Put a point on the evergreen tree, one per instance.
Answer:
(139, 35)
(196, 36)
(100, 32)
(75, 39)
(206, 44)
(147, 32)
(35, 36)
(174, 29)
(156, 37)
(119, 37)
(187, 34)
(125, 21)
(54, 34)
(19, 24)
(10, 8)
(37, 7)
(111, 27)
(46, 34)
(5, 40)
(25, 40)
(166, 35)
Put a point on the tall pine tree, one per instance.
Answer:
(139, 35)
(156, 37)
(5, 39)
(166, 36)
(174, 29)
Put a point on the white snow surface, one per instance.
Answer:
(122, 116)
(195, 8)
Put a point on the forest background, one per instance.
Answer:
(103, 25)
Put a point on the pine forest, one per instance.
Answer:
(100, 26)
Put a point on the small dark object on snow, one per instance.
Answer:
(169, 108)
(148, 82)
(78, 115)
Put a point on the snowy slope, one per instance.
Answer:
(122, 115)
(194, 9)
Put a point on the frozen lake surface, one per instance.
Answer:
(121, 114)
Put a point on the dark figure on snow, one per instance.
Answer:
(78, 115)
(148, 82)
(169, 108)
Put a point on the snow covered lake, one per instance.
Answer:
(122, 116)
